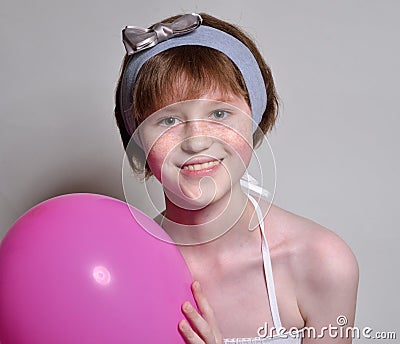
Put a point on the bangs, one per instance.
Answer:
(184, 73)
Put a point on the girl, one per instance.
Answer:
(188, 94)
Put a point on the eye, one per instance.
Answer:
(169, 121)
(219, 114)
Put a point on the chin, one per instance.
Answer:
(196, 197)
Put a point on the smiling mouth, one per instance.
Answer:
(203, 166)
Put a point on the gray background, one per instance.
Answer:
(336, 148)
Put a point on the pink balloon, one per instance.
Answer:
(79, 268)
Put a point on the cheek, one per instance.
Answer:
(244, 152)
(240, 144)
(158, 153)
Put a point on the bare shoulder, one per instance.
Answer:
(316, 256)
(322, 268)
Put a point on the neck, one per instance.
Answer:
(193, 227)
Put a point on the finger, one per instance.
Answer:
(198, 323)
(202, 304)
(188, 334)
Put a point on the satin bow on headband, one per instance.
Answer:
(137, 38)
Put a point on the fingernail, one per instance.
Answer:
(187, 306)
(183, 325)
(196, 285)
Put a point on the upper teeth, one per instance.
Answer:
(196, 167)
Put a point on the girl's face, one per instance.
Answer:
(198, 149)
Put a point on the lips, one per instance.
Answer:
(200, 164)
(197, 167)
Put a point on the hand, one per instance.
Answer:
(202, 328)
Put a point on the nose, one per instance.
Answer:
(196, 138)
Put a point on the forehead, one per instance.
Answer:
(206, 103)
(187, 90)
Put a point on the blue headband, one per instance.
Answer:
(202, 35)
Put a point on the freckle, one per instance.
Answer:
(164, 145)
